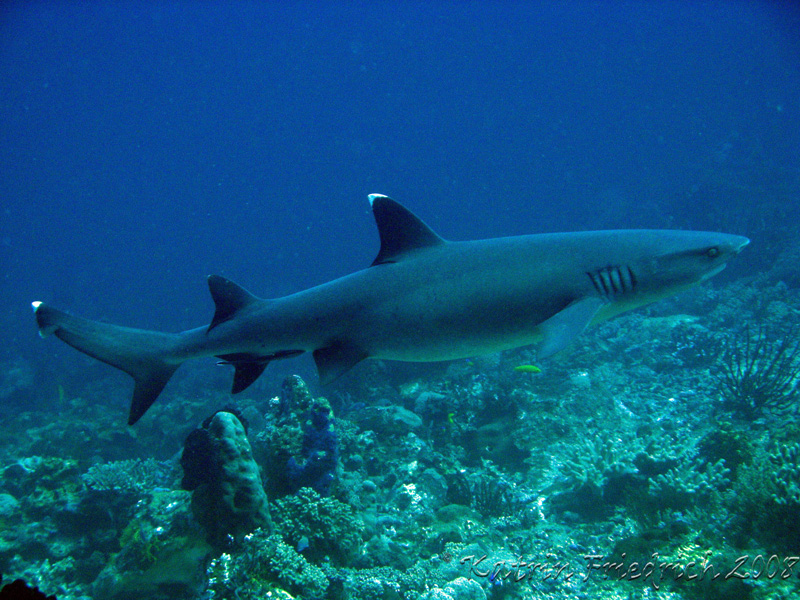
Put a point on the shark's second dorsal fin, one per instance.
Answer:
(401, 231)
(229, 299)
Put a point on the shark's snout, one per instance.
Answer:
(735, 244)
(730, 245)
(742, 242)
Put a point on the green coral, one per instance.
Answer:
(384, 582)
(160, 548)
(786, 459)
(330, 527)
(591, 459)
(263, 566)
(135, 476)
(688, 484)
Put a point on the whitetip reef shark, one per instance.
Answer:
(422, 299)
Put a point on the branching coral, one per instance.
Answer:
(759, 372)
(125, 475)
(590, 460)
(766, 498)
(326, 526)
(384, 582)
(599, 472)
(262, 567)
(684, 486)
(786, 459)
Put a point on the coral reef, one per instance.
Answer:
(765, 498)
(134, 475)
(162, 550)
(786, 460)
(325, 527)
(689, 484)
(384, 582)
(458, 589)
(262, 566)
(437, 483)
(300, 448)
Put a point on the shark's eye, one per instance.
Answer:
(712, 252)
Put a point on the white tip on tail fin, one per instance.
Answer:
(147, 356)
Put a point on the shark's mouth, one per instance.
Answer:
(713, 272)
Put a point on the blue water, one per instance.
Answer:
(146, 145)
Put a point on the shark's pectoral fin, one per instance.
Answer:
(249, 367)
(560, 329)
(229, 299)
(335, 360)
(246, 373)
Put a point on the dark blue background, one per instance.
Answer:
(146, 145)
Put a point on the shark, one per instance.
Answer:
(422, 299)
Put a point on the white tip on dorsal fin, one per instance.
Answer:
(45, 327)
(373, 197)
(401, 231)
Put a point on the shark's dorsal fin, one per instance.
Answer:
(229, 299)
(401, 231)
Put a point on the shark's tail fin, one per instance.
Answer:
(144, 355)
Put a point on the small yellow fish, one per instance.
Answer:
(528, 369)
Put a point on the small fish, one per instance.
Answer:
(528, 369)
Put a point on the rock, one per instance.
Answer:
(458, 589)
(230, 501)
(431, 404)
(8, 504)
(434, 488)
(465, 589)
(403, 419)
